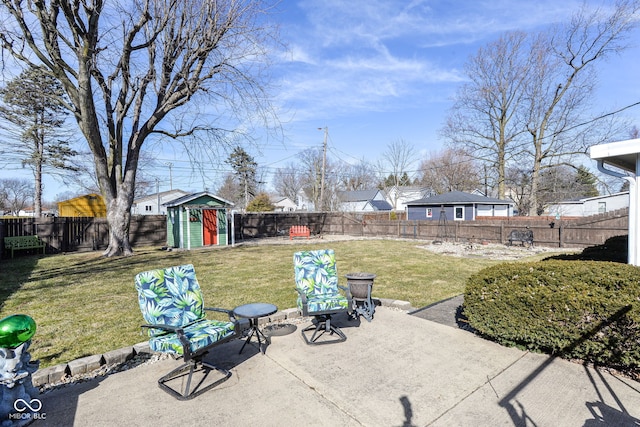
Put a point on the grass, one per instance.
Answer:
(84, 304)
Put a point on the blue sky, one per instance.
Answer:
(376, 71)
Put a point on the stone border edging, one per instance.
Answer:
(86, 364)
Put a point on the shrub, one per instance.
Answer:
(584, 310)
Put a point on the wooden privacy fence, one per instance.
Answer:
(576, 232)
(65, 234)
(69, 234)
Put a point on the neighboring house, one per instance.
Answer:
(363, 201)
(399, 196)
(89, 205)
(458, 206)
(196, 220)
(31, 212)
(153, 204)
(590, 205)
(283, 204)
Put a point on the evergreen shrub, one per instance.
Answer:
(584, 310)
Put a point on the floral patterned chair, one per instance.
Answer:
(316, 278)
(172, 305)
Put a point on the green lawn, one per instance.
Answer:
(85, 304)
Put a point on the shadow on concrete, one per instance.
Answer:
(518, 413)
(60, 403)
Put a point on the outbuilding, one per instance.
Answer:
(458, 206)
(197, 220)
(89, 205)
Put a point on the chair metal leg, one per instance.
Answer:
(188, 369)
(321, 326)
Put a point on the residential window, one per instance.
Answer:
(602, 207)
(429, 212)
(458, 213)
(148, 208)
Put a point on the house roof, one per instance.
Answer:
(154, 196)
(189, 197)
(587, 199)
(380, 205)
(357, 195)
(458, 198)
(621, 154)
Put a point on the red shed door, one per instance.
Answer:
(210, 227)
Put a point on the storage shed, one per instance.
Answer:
(458, 206)
(197, 220)
(89, 205)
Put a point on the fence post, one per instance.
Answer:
(560, 237)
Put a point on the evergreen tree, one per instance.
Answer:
(244, 168)
(586, 182)
(32, 107)
(260, 203)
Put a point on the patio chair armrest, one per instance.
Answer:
(220, 310)
(168, 328)
(229, 313)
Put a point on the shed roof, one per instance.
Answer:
(458, 198)
(190, 197)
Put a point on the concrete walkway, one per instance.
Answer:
(398, 370)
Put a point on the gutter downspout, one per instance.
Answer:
(634, 213)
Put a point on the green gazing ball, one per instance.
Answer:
(15, 330)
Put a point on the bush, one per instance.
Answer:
(584, 310)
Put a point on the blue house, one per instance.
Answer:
(458, 206)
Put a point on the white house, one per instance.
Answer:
(398, 197)
(283, 204)
(153, 203)
(363, 201)
(590, 205)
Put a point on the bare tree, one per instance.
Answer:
(288, 181)
(358, 176)
(396, 163)
(15, 195)
(450, 170)
(140, 68)
(230, 189)
(483, 120)
(311, 162)
(564, 73)
(528, 96)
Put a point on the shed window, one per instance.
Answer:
(429, 213)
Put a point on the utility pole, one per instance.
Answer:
(324, 166)
(170, 175)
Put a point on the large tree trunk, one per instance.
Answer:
(119, 219)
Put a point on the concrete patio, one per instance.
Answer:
(398, 370)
